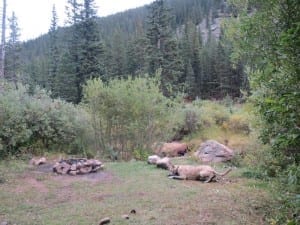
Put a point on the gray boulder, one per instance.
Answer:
(213, 151)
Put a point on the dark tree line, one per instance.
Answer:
(164, 36)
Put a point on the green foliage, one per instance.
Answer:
(238, 122)
(84, 50)
(213, 113)
(188, 120)
(128, 115)
(36, 123)
(163, 48)
(268, 41)
(163, 35)
(13, 50)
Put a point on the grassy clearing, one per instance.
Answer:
(29, 196)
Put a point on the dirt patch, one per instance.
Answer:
(29, 183)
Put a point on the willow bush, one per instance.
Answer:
(35, 123)
(129, 115)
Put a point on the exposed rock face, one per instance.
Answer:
(171, 149)
(213, 151)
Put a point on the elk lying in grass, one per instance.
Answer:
(188, 172)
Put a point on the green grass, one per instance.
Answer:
(30, 197)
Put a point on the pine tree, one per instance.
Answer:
(190, 48)
(190, 81)
(92, 47)
(67, 82)
(163, 48)
(137, 56)
(53, 54)
(13, 48)
(117, 59)
(171, 69)
(82, 59)
(137, 52)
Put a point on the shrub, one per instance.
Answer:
(239, 123)
(128, 114)
(212, 113)
(188, 119)
(35, 123)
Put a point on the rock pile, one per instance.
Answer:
(77, 166)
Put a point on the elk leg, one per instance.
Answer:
(209, 178)
(178, 177)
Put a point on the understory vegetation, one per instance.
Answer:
(123, 118)
(31, 123)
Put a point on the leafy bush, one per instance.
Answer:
(35, 123)
(239, 123)
(188, 120)
(128, 115)
(212, 113)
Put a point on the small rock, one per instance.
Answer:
(133, 211)
(105, 220)
(4, 223)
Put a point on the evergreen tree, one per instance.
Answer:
(190, 80)
(53, 54)
(13, 48)
(82, 59)
(171, 69)
(92, 47)
(68, 85)
(163, 50)
(117, 58)
(137, 56)
(137, 52)
(190, 48)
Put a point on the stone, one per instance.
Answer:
(133, 211)
(213, 151)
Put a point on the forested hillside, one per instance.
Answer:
(182, 39)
